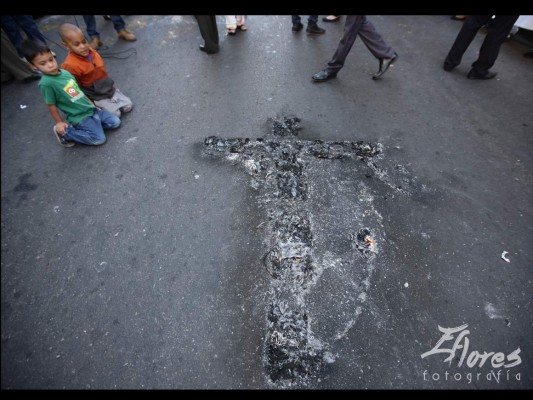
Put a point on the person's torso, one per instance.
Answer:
(64, 92)
(86, 70)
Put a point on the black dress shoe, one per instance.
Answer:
(476, 75)
(323, 76)
(206, 50)
(384, 64)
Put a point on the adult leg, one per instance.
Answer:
(28, 25)
(296, 23)
(11, 28)
(94, 36)
(467, 33)
(312, 25)
(90, 23)
(312, 20)
(488, 53)
(209, 32)
(240, 21)
(231, 24)
(120, 27)
(373, 40)
(351, 28)
(213, 28)
(118, 22)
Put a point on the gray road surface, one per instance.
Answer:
(139, 264)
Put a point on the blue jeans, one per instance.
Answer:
(311, 21)
(90, 21)
(91, 130)
(11, 24)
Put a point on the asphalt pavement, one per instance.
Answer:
(140, 264)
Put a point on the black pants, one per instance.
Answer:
(488, 53)
(209, 31)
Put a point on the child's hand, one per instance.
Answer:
(61, 128)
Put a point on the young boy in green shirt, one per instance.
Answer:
(84, 122)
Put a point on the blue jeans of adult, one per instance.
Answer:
(311, 21)
(90, 22)
(11, 24)
(91, 129)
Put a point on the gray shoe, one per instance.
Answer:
(62, 141)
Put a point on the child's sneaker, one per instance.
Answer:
(62, 141)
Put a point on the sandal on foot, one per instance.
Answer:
(242, 27)
(334, 18)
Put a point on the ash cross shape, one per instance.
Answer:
(277, 164)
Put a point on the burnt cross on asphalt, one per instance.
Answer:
(277, 164)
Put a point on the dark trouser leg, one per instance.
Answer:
(11, 29)
(118, 22)
(312, 20)
(488, 53)
(90, 23)
(467, 33)
(351, 28)
(209, 31)
(28, 25)
(296, 19)
(373, 40)
(214, 29)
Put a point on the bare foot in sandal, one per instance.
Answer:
(242, 27)
(331, 18)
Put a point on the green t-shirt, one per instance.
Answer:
(63, 91)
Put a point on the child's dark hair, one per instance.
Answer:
(31, 48)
